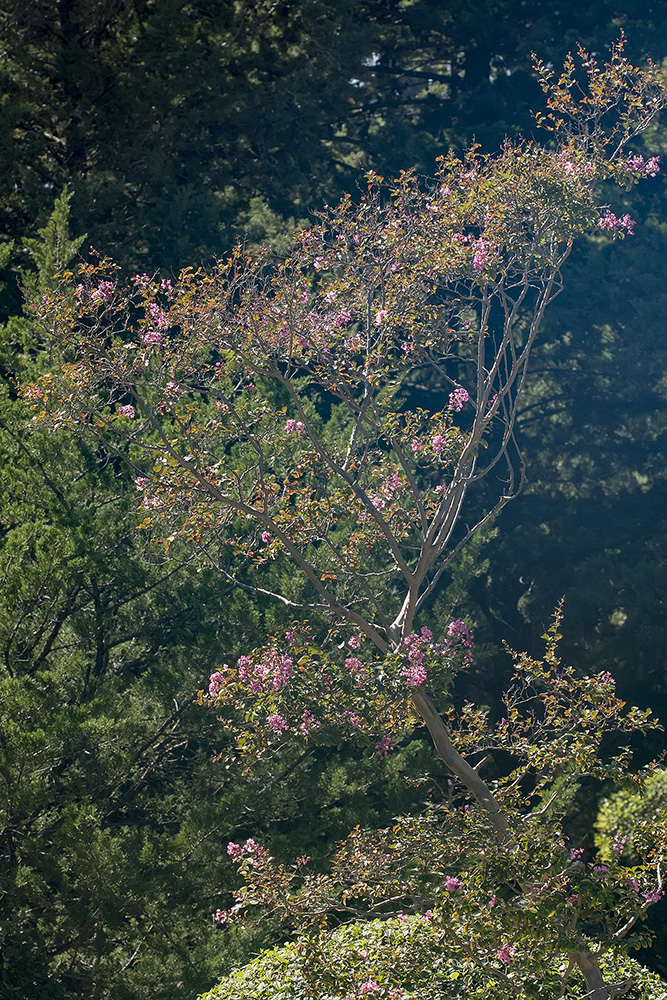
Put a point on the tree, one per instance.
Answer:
(268, 409)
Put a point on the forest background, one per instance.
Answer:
(174, 127)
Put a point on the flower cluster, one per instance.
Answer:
(613, 223)
(357, 670)
(645, 168)
(103, 292)
(384, 746)
(158, 316)
(277, 723)
(457, 399)
(216, 681)
(152, 337)
(126, 411)
(272, 669)
(459, 632)
(295, 427)
(414, 671)
(507, 953)
(482, 255)
(308, 723)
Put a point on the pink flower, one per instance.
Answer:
(482, 255)
(103, 292)
(152, 337)
(140, 482)
(507, 953)
(453, 884)
(277, 723)
(416, 445)
(216, 682)
(438, 443)
(380, 316)
(611, 222)
(370, 986)
(457, 399)
(354, 642)
(271, 668)
(142, 280)
(234, 849)
(266, 537)
(126, 411)
(646, 168)
(653, 895)
(158, 316)
(357, 669)
(295, 426)
(493, 901)
(222, 917)
(619, 844)
(384, 746)
(308, 723)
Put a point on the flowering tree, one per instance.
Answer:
(270, 409)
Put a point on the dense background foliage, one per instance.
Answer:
(176, 126)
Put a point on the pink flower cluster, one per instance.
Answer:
(152, 337)
(414, 671)
(246, 851)
(103, 292)
(141, 482)
(216, 681)
(357, 670)
(390, 485)
(126, 411)
(482, 255)
(507, 953)
(453, 884)
(158, 316)
(613, 223)
(295, 427)
(457, 399)
(308, 723)
(384, 746)
(343, 319)
(272, 668)
(277, 723)
(646, 168)
(458, 631)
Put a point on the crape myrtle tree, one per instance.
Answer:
(268, 409)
